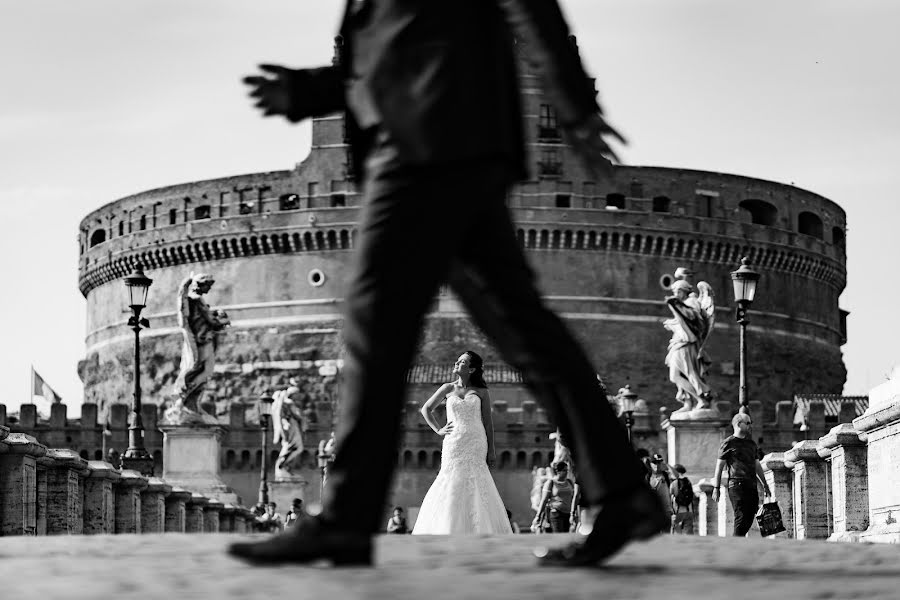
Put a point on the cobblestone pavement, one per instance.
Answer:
(176, 566)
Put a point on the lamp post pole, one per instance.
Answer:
(744, 281)
(265, 413)
(136, 456)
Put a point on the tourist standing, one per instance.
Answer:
(296, 513)
(660, 482)
(682, 492)
(397, 522)
(559, 498)
(739, 454)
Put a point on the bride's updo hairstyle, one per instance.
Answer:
(476, 379)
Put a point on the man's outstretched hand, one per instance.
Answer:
(275, 91)
(588, 140)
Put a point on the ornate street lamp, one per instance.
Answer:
(136, 456)
(265, 413)
(744, 281)
(627, 401)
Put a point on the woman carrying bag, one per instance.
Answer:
(559, 499)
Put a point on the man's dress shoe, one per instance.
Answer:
(308, 541)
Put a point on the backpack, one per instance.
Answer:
(685, 495)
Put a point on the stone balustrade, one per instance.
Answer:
(54, 491)
(194, 521)
(845, 450)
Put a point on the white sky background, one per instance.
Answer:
(100, 99)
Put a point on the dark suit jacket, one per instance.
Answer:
(440, 76)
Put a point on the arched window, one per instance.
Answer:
(661, 204)
(98, 237)
(83, 454)
(245, 459)
(230, 458)
(615, 201)
(537, 459)
(761, 212)
(407, 458)
(422, 460)
(436, 459)
(810, 224)
(837, 236)
(98, 454)
(521, 459)
(504, 459)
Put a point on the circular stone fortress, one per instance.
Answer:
(279, 243)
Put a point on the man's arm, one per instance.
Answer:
(761, 475)
(297, 94)
(717, 478)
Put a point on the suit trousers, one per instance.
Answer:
(421, 226)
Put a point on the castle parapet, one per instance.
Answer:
(28, 416)
(88, 415)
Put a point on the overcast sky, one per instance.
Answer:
(102, 99)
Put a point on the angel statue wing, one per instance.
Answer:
(706, 299)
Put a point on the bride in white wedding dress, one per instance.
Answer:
(463, 497)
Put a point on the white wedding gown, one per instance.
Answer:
(463, 498)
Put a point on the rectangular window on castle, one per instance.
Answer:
(547, 125)
(338, 200)
(245, 207)
(173, 216)
(563, 201)
(202, 212)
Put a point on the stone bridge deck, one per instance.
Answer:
(177, 566)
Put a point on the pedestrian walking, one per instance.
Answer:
(739, 454)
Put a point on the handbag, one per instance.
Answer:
(769, 518)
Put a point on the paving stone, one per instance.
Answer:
(174, 565)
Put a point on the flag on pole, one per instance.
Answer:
(40, 388)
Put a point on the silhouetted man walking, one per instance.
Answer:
(433, 112)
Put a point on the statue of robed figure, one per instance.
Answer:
(693, 316)
(288, 421)
(199, 327)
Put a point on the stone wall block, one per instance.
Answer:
(500, 414)
(707, 513)
(194, 520)
(529, 412)
(18, 484)
(88, 415)
(176, 511)
(128, 501)
(849, 481)
(99, 504)
(28, 416)
(227, 518)
(66, 471)
(211, 515)
(58, 416)
(236, 415)
(412, 418)
(780, 477)
(118, 416)
(810, 492)
(153, 505)
(784, 414)
(324, 414)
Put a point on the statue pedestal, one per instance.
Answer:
(191, 460)
(694, 439)
(283, 490)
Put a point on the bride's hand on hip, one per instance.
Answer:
(446, 429)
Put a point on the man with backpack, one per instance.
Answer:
(682, 492)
